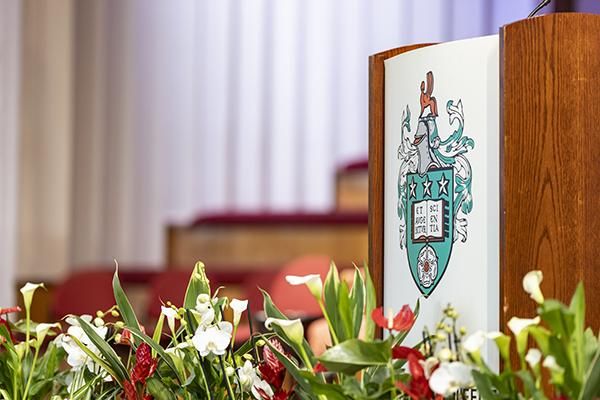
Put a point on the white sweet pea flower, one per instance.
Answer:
(76, 357)
(204, 310)
(516, 325)
(27, 291)
(247, 375)
(449, 378)
(312, 281)
(292, 328)
(531, 285)
(264, 386)
(169, 313)
(212, 340)
(533, 357)
(238, 307)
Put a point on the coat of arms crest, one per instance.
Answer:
(434, 189)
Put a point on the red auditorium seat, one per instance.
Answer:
(84, 292)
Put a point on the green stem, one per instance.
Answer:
(208, 394)
(229, 389)
(305, 357)
(27, 325)
(393, 376)
(334, 337)
(35, 357)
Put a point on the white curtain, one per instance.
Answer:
(9, 100)
(187, 107)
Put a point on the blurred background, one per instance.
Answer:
(162, 132)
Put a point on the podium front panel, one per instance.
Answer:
(441, 200)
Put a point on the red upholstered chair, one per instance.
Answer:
(84, 292)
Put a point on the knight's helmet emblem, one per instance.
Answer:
(434, 196)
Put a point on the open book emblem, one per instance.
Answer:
(434, 189)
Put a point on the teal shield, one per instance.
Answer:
(430, 226)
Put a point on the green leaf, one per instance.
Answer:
(159, 390)
(331, 391)
(113, 360)
(353, 355)
(357, 302)
(591, 382)
(558, 317)
(330, 297)
(158, 331)
(487, 390)
(344, 312)
(370, 304)
(123, 303)
(577, 308)
(198, 284)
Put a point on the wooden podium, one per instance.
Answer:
(549, 161)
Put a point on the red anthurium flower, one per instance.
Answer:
(402, 353)
(418, 387)
(10, 310)
(403, 321)
(4, 311)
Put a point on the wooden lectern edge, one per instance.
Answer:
(376, 162)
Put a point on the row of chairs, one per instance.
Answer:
(87, 291)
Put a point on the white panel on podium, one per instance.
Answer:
(441, 216)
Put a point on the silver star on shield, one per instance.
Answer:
(443, 185)
(413, 189)
(426, 187)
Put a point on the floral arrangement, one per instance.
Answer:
(447, 363)
(191, 353)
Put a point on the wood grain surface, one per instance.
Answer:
(376, 161)
(550, 163)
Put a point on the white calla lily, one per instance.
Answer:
(27, 291)
(516, 325)
(474, 342)
(41, 330)
(238, 307)
(531, 285)
(312, 281)
(450, 377)
(533, 357)
(292, 328)
(551, 364)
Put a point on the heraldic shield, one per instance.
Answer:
(430, 224)
(434, 189)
